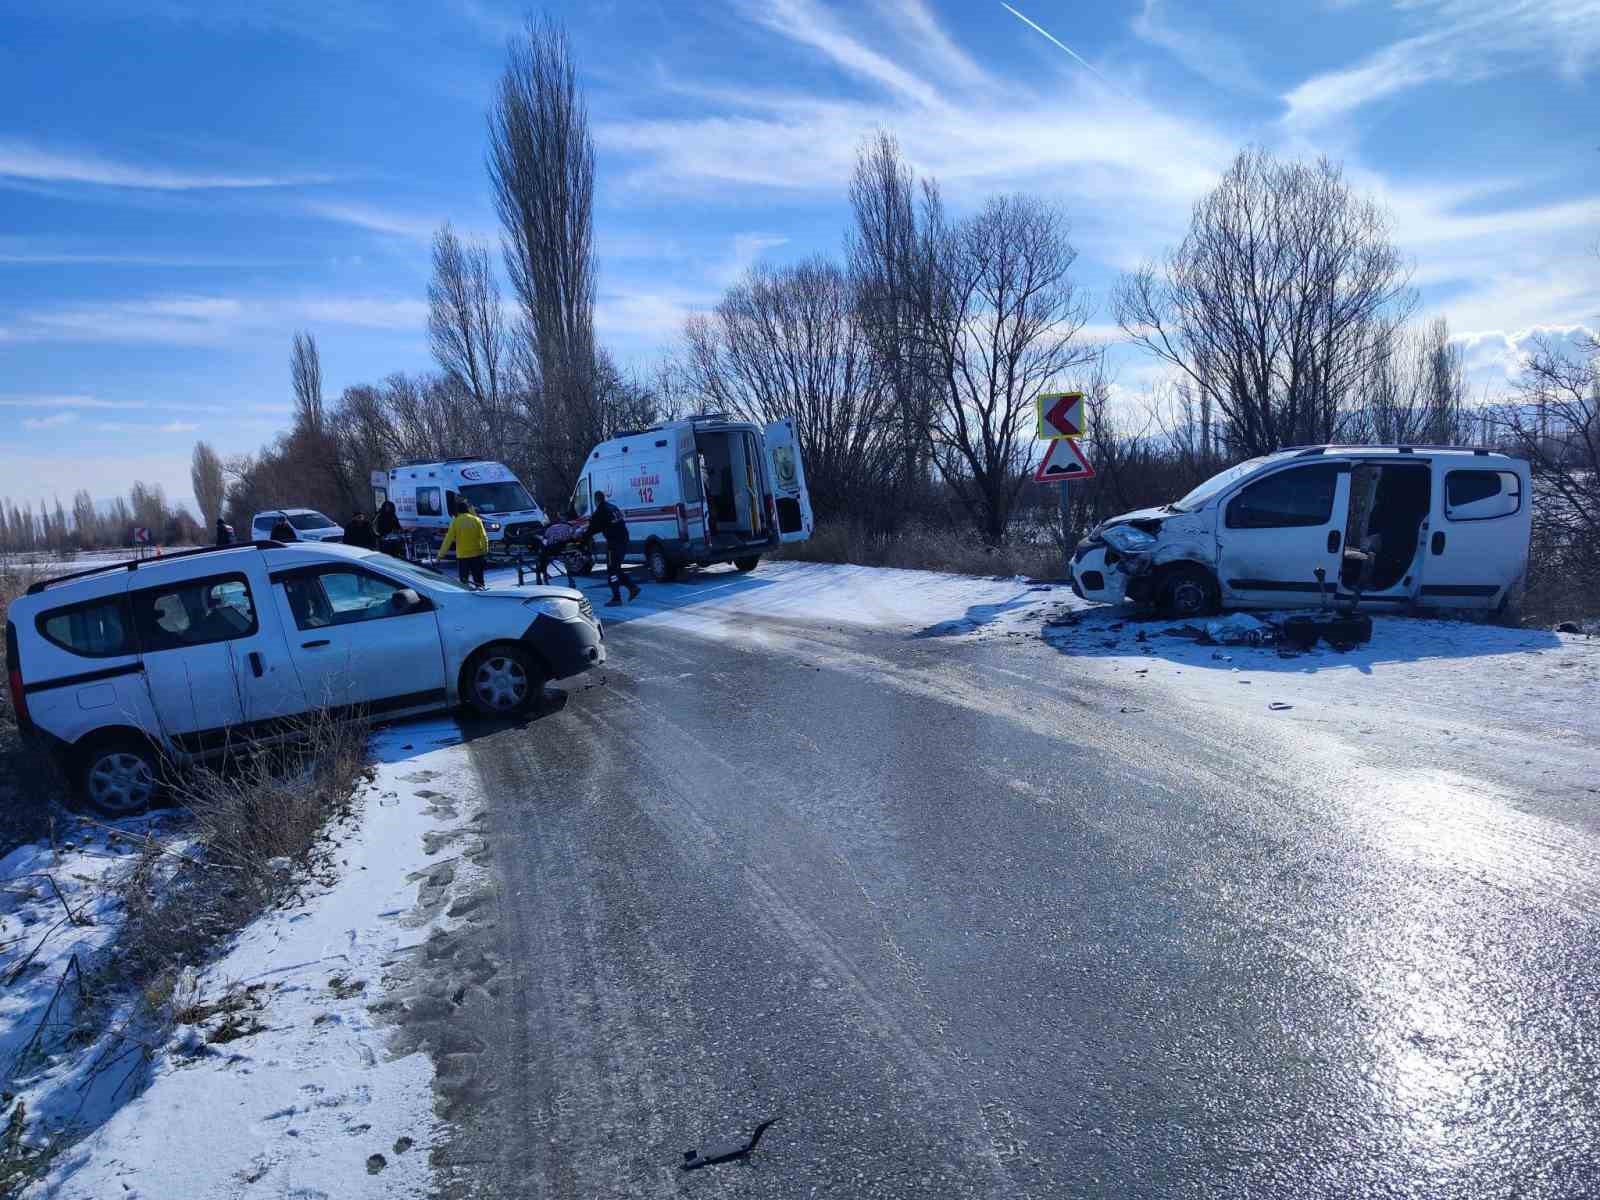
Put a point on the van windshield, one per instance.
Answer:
(506, 496)
(310, 520)
(1215, 484)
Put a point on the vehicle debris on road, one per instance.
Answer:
(723, 1152)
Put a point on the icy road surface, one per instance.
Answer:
(985, 913)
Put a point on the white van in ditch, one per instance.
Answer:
(127, 667)
(425, 496)
(702, 490)
(1386, 526)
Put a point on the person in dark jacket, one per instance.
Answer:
(607, 520)
(360, 533)
(391, 538)
(282, 531)
(224, 533)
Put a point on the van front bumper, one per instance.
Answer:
(567, 647)
(1101, 574)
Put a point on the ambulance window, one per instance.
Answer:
(428, 502)
(581, 498)
(689, 473)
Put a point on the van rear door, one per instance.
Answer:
(1478, 543)
(788, 476)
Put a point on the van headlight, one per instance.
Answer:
(1128, 540)
(554, 606)
(492, 526)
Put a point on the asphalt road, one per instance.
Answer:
(971, 929)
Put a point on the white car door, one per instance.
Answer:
(213, 665)
(356, 643)
(1276, 531)
(788, 474)
(1479, 541)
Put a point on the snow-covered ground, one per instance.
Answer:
(312, 1104)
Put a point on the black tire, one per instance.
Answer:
(1186, 590)
(748, 562)
(118, 775)
(661, 567)
(502, 681)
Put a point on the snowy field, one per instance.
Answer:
(313, 1104)
(316, 1102)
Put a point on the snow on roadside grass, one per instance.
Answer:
(310, 1102)
(65, 1065)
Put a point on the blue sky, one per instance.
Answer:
(184, 185)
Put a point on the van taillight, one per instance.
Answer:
(772, 512)
(19, 698)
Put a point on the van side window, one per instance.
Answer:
(193, 613)
(428, 502)
(582, 498)
(1300, 496)
(341, 596)
(1481, 495)
(98, 629)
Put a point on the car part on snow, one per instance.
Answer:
(723, 1152)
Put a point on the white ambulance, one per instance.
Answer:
(703, 490)
(425, 496)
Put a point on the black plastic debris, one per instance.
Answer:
(722, 1152)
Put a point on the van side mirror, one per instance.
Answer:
(408, 600)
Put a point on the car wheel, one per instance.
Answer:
(748, 562)
(502, 681)
(1187, 590)
(662, 568)
(118, 776)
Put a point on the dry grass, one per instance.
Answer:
(1034, 552)
(256, 824)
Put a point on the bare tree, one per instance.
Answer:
(305, 373)
(1556, 426)
(1414, 389)
(205, 474)
(1000, 320)
(889, 266)
(1276, 301)
(541, 167)
(790, 342)
(466, 326)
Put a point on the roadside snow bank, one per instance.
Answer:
(311, 1104)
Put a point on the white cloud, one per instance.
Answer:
(46, 400)
(378, 220)
(22, 161)
(1495, 359)
(212, 320)
(811, 25)
(1216, 59)
(746, 250)
(1464, 41)
(61, 418)
(368, 312)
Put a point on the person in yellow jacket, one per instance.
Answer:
(471, 540)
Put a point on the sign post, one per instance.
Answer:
(1061, 424)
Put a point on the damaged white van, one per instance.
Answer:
(1384, 526)
(703, 490)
